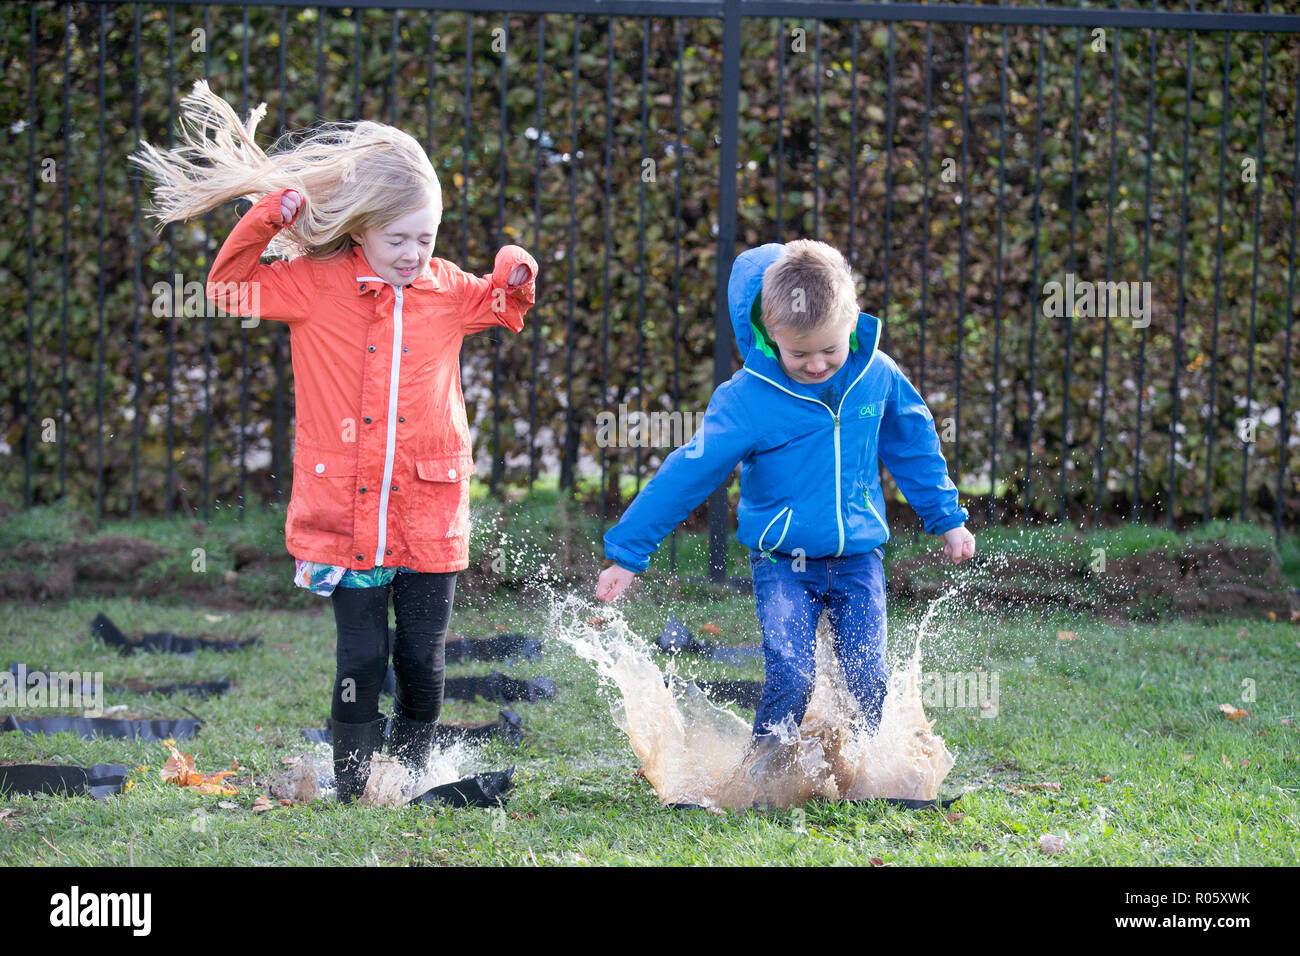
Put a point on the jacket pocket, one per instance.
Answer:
(871, 509)
(439, 507)
(324, 489)
(455, 467)
(787, 513)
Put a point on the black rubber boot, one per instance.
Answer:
(411, 742)
(354, 745)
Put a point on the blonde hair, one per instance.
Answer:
(808, 287)
(355, 176)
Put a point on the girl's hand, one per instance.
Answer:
(290, 203)
(958, 544)
(519, 275)
(612, 582)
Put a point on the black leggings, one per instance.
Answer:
(422, 603)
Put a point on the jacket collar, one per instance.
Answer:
(368, 282)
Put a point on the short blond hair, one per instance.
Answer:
(809, 287)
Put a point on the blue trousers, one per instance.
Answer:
(790, 594)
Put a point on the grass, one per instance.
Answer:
(1136, 704)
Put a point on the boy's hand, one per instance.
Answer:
(958, 544)
(290, 203)
(612, 582)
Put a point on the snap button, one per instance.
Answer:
(320, 468)
(394, 488)
(363, 489)
(366, 419)
(363, 287)
(405, 348)
(401, 419)
(372, 348)
(361, 557)
(389, 551)
(451, 472)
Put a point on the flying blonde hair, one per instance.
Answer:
(355, 176)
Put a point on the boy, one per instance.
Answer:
(809, 416)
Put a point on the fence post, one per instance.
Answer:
(731, 16)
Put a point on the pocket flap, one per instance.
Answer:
(325, 463)
(456, 467)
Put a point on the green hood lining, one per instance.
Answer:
(765, 344)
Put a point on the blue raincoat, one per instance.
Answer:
(809, 470)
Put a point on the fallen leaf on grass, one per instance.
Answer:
(227, 805)
(596, 622)
(710, 628)
(5, 813)
(1286, 722)
(1051, 844)
(180, 770)
(1066, 636)
(1227, 761)
(1244, 762)
(956, 817)
(876, 861)
(1241, 633)
(1045, 786)
(261, 804)
(1233, 713)
(1103, 779)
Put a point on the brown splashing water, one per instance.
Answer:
(694, 752)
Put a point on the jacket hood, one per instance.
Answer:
(744, 290)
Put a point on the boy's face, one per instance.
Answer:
(813, 356)
(400, 250)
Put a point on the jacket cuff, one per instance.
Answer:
(269, 209)
(947, 523)
(506, 259)
(626, 559)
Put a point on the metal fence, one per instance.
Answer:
(932, 143)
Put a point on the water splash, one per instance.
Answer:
(695, 752)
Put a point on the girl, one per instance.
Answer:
(382, 454)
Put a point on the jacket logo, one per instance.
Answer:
(869, 411)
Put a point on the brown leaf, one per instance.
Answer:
(1103, 779)
(1232, 713)
(1286, 722)
(1066, 636)
(956, 817)
(1241, 633)
(876, 861)
(1045, 786)
(261, 804)
(1227, 761)
(710, 628)
(1051, 844)
(596, 622)
(1295, 616)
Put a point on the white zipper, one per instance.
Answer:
(392, 426)
(839, 520)
(789, 513)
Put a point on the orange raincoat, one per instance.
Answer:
(382, 456)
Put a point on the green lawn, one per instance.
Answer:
(1136, 704)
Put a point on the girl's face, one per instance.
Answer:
(400, 250)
